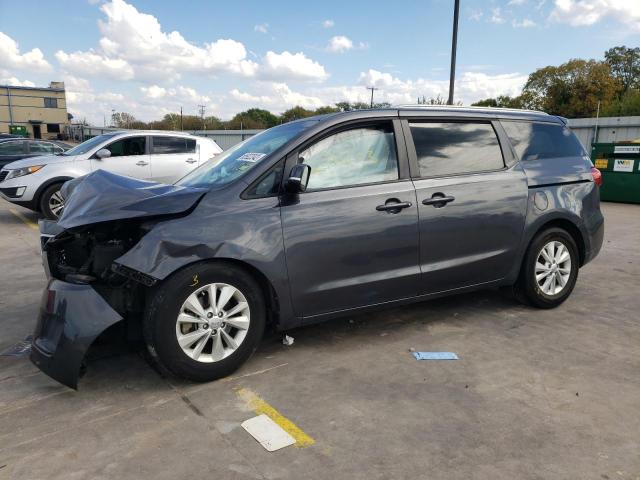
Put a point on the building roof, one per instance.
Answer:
(16, 87)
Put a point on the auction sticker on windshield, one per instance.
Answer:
(251, 157)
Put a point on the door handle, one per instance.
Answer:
(141, 163)
(438, 200)
(393, 205)
(191, 160)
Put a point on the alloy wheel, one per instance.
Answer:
(213, 322)
(553, 268)
(56, 203)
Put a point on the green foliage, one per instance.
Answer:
(503, 101)
(625, 65)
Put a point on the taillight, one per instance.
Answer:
(597, 176)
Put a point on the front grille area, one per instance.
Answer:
(3, 175)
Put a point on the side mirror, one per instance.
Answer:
(298, 178)
(103, 153)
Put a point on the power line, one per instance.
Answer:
(373, 89)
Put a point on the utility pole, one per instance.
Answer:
(454, 47)
(373, 89)
(201, 109)
(181, 119)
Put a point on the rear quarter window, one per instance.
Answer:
(539, 141)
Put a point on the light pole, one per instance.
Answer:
(373, 89)
(454, 47)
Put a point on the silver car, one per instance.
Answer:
(162, 157)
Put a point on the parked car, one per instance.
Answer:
(16, 148)
(160, 156)
(313, 219)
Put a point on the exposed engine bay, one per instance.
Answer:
(85, 255)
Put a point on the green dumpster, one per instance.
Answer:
(18, 130)
(620, 166)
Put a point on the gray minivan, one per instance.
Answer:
(313, 219)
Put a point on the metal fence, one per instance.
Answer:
(609, 129)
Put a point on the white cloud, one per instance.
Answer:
(580, 13)
(262, 28)
(339, 44)
(328, 23)
(135, 39)
(94, 64)
(153, 91)
(10, 56)
(294, 66)
(15, 81)
(274, 96)
(496, 16)
(516, 2)
(475, 15)
(524, 23)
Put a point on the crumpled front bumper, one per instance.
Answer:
(71, 317)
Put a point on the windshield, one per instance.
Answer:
(242, 157)
(84, 147)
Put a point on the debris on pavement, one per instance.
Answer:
(19, 349)
(435, 355)
(287, 340)
(268, 433)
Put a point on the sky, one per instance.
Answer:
(149, 58)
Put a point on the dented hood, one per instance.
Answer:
(103, 196)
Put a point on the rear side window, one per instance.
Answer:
(162, 145)
(454, 148)
(537, 141)
(41, 147)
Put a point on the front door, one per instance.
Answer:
(352, 238)
(36, 131)
(471, 206)
(129, 156)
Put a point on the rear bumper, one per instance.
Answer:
(71, 318)
(595, 237)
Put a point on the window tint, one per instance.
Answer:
(537, 141)
(173, 145)
(352, 157)
(11, 148)
(50, 102)
(127, 146)
(41, 147)
(269, 184)
(451, 148)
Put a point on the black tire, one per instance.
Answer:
(160, 318)
(46, 197)
(527, 289)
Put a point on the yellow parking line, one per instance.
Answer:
(260, 406)
(24, 219)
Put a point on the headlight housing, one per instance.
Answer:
(20, 172)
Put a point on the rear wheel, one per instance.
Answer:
(52, 202)
(550, 269)
(206, 321)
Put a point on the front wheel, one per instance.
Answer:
(550, 269)
(52, 202)
(206, 321)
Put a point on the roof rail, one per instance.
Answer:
(464, 107)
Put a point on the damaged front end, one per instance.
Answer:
(87, 292)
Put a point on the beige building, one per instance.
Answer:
(42, 111)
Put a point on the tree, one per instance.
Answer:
(572, 89)
(325, 110)
(503, 101)
(295, 113)
(625, 65)
(123, 120)
(253, 118)
(627, 105)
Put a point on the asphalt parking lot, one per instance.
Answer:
(535, 395)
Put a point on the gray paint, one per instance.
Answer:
(328, 252)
